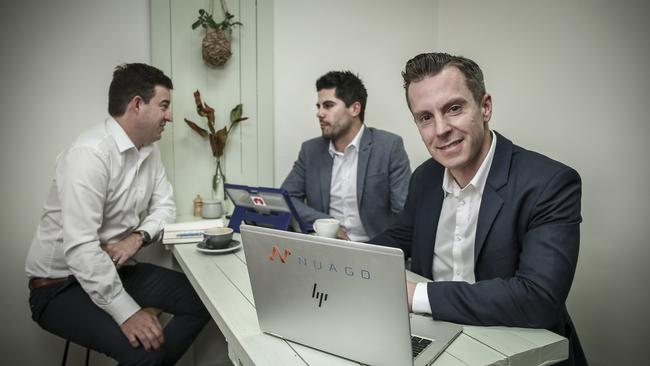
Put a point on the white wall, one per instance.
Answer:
(369, 37)
(56, 64)
(568, 78)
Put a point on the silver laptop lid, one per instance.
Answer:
(341, 297)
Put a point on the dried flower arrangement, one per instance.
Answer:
(217, 138)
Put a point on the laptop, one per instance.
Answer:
(345, 298)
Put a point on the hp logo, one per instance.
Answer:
(319, 296)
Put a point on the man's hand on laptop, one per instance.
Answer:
(410, 290)
(342, 234)
(143, 328)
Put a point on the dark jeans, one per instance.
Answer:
(67, 311)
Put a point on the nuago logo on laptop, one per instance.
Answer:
(276, 252)
(317, 264)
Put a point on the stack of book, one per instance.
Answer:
(188, 232)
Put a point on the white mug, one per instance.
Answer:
(326, 227)
(211, 209)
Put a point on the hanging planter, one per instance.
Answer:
(216, 49)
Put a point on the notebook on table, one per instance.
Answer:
(345, 298)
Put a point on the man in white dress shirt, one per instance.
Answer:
(109, 198)
(356, 174)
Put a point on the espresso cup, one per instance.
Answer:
(218, 237)
(326, 227)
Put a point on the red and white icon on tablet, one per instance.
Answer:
(258, 201)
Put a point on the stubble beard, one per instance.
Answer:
(336, 134)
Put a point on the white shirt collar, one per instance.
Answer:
(355, 142)
(122, 140)
(119, 135)
(449, 185)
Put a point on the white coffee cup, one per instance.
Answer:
(326, 227)
(211, 209)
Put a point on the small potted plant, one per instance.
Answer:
(216, 43)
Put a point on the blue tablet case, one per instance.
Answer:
(262, 206)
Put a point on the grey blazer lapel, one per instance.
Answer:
(491, 202)
(362, 162)
(326, 162)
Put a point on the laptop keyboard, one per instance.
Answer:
(418, 344)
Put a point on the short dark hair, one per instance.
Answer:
(430, 64)
(349, 88)
(134, 79)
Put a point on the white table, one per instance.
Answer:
(223, 284)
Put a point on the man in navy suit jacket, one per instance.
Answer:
(496, 227)
(356, 174)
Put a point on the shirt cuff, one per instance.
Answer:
(421, 299)
(150, 227)
(121, 308)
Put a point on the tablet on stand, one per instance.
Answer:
(262, 206)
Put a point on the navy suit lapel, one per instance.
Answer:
(362, 162)
(491, 202)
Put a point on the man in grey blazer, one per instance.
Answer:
(356, 174)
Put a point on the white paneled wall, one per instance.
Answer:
(176, 48)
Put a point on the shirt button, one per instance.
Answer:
(458, 238)
(457, 273)
(461, 203)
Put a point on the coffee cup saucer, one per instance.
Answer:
(231, 247)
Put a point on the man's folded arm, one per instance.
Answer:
(161, 209)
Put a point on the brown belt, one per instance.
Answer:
(38, 282)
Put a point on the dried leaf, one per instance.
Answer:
(221, 137)
(199, 104)
(196, 128)
(239, 120)
(236, 113)
(213, 146)
(209, 111)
